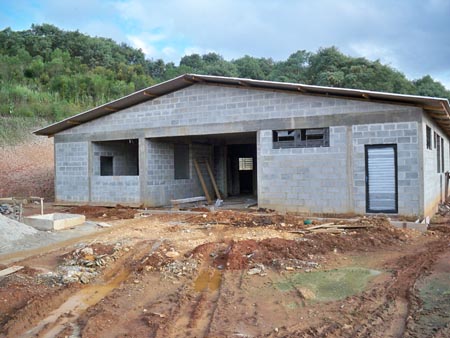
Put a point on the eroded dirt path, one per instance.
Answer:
(210, 276)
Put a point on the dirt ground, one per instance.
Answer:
(27, 169)
(232, 274)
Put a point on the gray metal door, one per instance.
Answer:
(381, 178)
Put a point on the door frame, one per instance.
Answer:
(372, 146)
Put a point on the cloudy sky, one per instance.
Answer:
(410, 35)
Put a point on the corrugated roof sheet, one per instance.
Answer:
(437, 108)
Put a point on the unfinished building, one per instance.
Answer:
(295, 147)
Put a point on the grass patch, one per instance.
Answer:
(16, 129)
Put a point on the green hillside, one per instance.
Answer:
(47, 73)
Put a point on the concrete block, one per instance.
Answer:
(56, 221)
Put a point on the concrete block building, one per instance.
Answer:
(297, 148)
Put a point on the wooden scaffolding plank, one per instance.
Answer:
(202, 181)
(8, 271)
(213, 180)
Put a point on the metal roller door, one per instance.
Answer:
(381, 178)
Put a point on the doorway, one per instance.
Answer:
(242, 169)
(381, 178)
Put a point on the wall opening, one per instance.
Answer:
(116, 158)
(242, 175)
(301, 138)
(106, 166)
(181, 161)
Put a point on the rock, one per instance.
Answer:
(289, 268)
(84, 279)
(104, 224)
(258, 269)
(87, 251)
(172, 254)
(306, 293)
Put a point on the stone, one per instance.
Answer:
(172, 254)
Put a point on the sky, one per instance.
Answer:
(412, 36)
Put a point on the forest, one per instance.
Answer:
(47, 73)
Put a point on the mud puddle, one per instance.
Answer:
(330, 285)
(69, 311)
(208, 280)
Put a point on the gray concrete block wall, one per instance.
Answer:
(200, 104)
(304, 179)
(115, 189)
(434, 182)
(220, 169)
(71, 172)
(405, 135)
(161, 184)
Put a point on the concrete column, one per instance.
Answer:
(90, 159)
(349, 140)
(143, 170)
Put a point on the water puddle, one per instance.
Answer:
(74, 307)
(328, 285)
(208, 280)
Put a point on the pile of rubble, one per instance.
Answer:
(82, 265)
(11, 230)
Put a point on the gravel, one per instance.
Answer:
(11, 230)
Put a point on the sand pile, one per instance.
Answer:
(11, 230)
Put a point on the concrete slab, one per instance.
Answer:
(422, 227)
(56, 221)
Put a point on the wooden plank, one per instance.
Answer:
(10, 270)
(213, 180)
(202, 181)
(188, 200)
(325, 225)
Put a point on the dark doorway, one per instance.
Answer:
(242, 169)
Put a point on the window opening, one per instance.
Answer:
(106, 166)
(181, 161)
(301, 138)
(245, 163)
(428, 137)
(438, 152)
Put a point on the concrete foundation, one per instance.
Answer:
(55, 221)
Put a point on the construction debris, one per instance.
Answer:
(11, 230)
(10, 270)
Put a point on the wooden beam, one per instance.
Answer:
(433, 108)
(73, 122)
(213, 180)
(365, 95)
(202, 181)
(8, 271)
(244, 84)
(149, 94)
(110, 108)
(188, 200)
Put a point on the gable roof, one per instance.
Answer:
(437, 108)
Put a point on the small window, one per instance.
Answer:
(428, 137)
(301, 138)
(438, 152)
(181, 161)
(245, 163)
(106, 166)
(442, 155)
